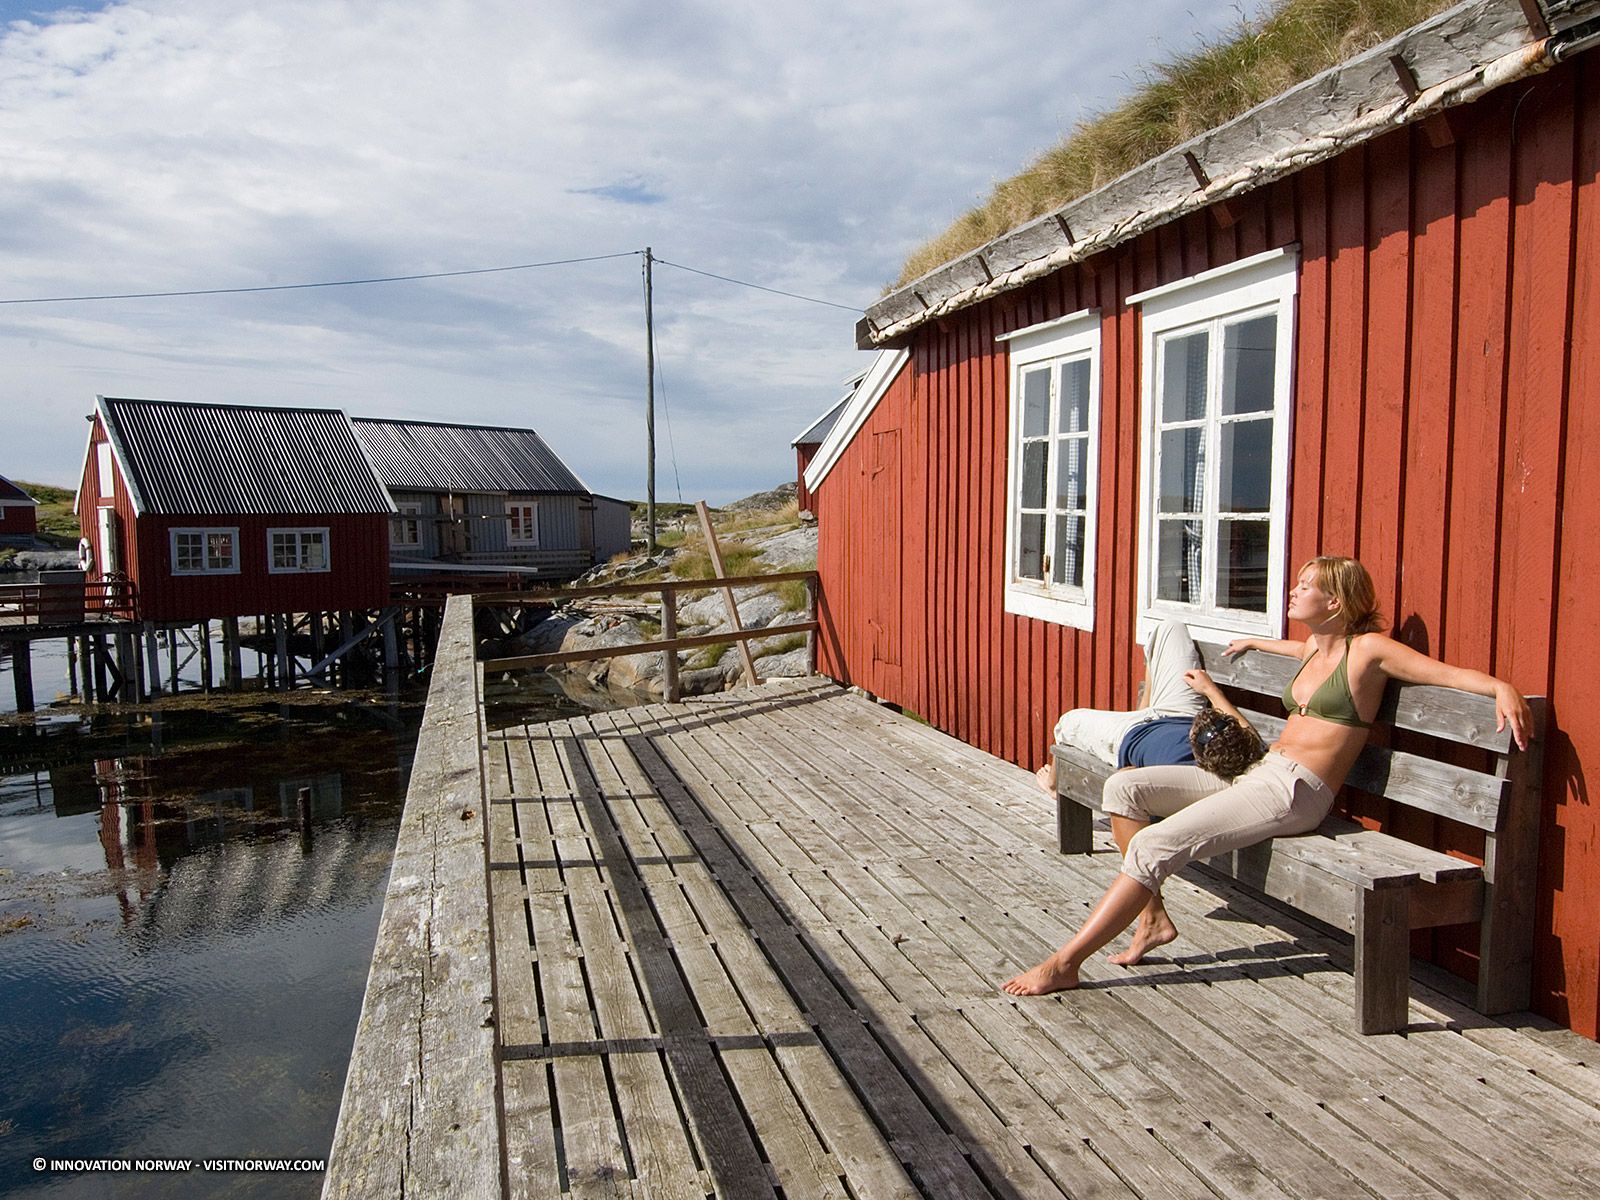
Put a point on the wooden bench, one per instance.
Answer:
(1376, 886)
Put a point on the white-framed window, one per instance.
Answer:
(205, 551)
(522, 521)
(1218, 356)
(406, 529)
(104, 480)
(1052, 465)
(297, 550)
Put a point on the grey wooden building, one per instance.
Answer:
(482, 495)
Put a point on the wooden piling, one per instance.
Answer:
(205, 656)
(22, 673)
(172, 659)
(152, 650)
(72, 666)
(391, 649)
(669, 633)
(281, 641)
(232, 664)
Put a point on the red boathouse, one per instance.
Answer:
(218, 510)
(1360, 319)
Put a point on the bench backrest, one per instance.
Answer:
(1483, 799)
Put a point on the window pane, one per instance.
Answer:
(314, 552)
(1182, 470)
(1242, 565)
(1033, 461)
(1249, 365)
(1066, 560)
(1178, 561)
(1030, 547)
(1036, 403)
(1183, 386)
(219, 551)
(1074, 417)
(1246, 466)
(1072, 468)
(188, 552)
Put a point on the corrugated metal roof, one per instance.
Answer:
(10, 491)
(223, 459)
(432, 456)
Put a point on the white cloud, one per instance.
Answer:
(168, 145)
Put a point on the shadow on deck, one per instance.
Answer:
(749, 945)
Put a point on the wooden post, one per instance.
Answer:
(172, 659)
(281, 641)
(141, 693)
(232, 664)
(22, 673)
(669, 633)
(391, 650)
(154, 655)
(125, 656)
(316, 620)
(72, 666)
(811, 634)
(715, 550)
(205, 656)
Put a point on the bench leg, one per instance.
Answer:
(1383, 960)
(1074, 827)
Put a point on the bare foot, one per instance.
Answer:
(1052, 975)
(1149, 934)
(1046, 775)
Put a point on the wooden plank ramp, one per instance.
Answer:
(750, 946)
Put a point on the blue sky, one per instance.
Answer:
(187, 144)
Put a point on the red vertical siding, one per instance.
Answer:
(1444, 429)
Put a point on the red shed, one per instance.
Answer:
(19, 515)
(809, 440)
(1359, 319)
(218, 510)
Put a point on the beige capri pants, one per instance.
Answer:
(1203, 815)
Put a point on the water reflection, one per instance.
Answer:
(181, 966)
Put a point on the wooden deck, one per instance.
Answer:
(750, 945)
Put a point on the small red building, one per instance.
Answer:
(19, 515)
(217, 510)
(1360, 319)
(809, 440)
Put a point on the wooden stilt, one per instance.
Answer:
(86, 668)
(22, 674)
(232, 666)
(172, 659)
(391, 650)
(124, 668)
(152, 651)
(72, 666)
(281, 641)
(205, 656)
(141, 692)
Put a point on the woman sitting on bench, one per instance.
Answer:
(1344, 667)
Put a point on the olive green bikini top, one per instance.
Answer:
(1332, 701)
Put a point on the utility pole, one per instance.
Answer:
(649, 410)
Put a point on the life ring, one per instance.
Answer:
(85, 555)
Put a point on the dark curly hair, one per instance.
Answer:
(1222, 745)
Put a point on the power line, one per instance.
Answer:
(292, 287)
(758, 287)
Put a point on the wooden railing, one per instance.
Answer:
(68, 603)
(670, 643)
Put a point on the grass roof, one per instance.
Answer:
(1178, 100)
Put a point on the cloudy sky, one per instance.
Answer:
(171, 145)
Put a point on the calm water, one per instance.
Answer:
(180, 969)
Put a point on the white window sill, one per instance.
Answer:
(1075, 612)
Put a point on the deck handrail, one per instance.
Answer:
(69, 603)
(669, 645)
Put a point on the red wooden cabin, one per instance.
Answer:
(1360, 319)
(19, 515)
(216, 510)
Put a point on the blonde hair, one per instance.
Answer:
(1348, 582)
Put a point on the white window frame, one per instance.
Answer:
(530, 521)
(1054, 343)
(1254, 286)
(203, 532)
(405, 530)
(302, 535)
(105, 475)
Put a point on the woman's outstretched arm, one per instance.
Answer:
(1399, 661)
(1266, 645)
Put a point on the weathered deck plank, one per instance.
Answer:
(761, 938)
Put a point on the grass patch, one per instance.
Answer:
(782, 645)
(57, 520)
(1179, 99)
(792, 594)
(784, 516)
(737, 559)
(707, 656)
